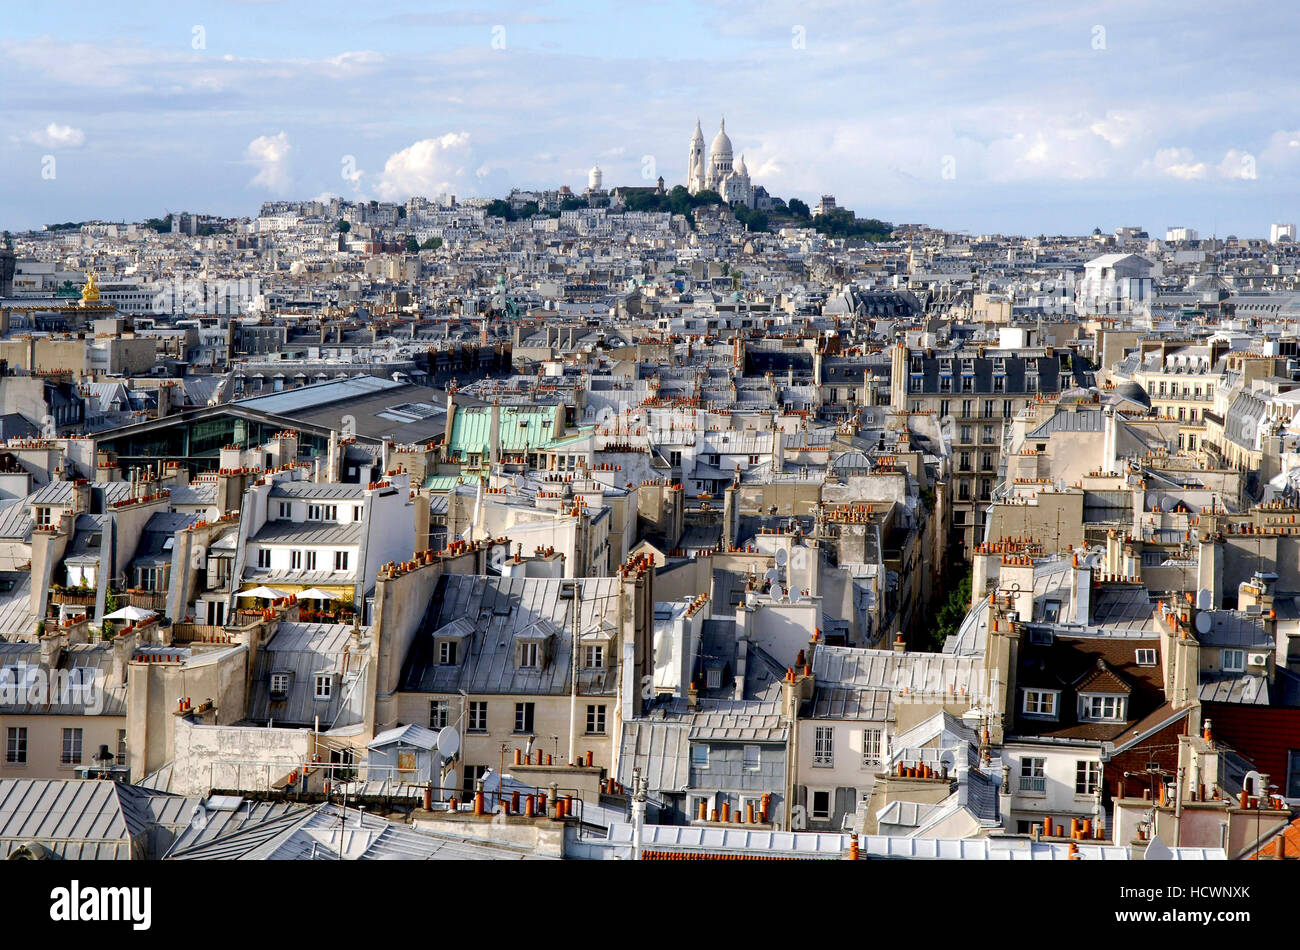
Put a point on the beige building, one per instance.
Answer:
(62, 703)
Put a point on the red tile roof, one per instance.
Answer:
(1285, 846)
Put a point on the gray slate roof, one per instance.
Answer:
(499, 608)
(75, 818)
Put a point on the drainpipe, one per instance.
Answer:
(1178, 808)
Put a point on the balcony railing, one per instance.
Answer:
(77, 597)
(1037, 784)
(189, 632)
(147, 599)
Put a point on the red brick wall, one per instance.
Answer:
(1160, 747)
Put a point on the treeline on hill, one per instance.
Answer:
(841, 222)
(529, 209)
(677, 201)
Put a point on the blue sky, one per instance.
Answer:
(1013, 117)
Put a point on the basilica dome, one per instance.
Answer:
(721, 147)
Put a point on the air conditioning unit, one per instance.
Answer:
(1257, 659)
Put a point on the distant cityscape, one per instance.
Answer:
(647, 522)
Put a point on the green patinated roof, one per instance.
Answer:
(577, 435)
(441, 482)
(520, 428)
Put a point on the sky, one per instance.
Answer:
(1002, 117)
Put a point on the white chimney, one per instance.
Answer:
(1081, 601)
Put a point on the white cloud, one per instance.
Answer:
(1237, 164)
(58, 136)
(1177, 163)
(1282, 151)
(352, 63)
(1047, 153)
(1119, 128)
(427, 167)
(271, 154)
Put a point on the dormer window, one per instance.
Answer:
(447, 641)
(593, 657)
(1233, 661)
(279, 685)
(1146, 657)
(532, 645)
(324, 685)
(530, 656)
(1102, 707)
(1040, 703)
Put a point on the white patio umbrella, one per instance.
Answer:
(132, 613)
(315, 593)
(269, 593)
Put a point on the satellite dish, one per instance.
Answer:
(1157, 850)
(795, 595)
(781, 557)
(1203, 623)
(948, 761)
(772, 577)
(1204, 599)
(448, 742)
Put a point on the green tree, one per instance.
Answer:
(499, 209)
(412, 245)
(841, 222)
(950, 616)
(432, 244)
(799, 209)
(343, 226)
(644, 201)
(679, 200)
(752, 219)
